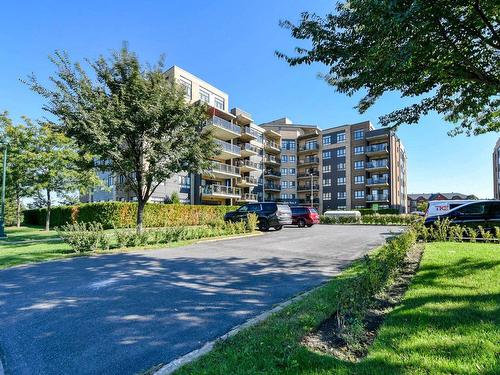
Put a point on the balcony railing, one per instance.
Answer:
(306, 201)
(307, 174)
(248, 180)
(377, 148)
(313, 160)
(377, 180)
(249, 197)
(272, 144)
(307, 187)
(272, 187)
(377, 164)
(377, 197)
(228, 147)
(251, 132)
(270, 172)
(272, 159)
(309, 147)
(248, 163)
(220, 190)
(221, 123)
(224, 168)
(249, 147)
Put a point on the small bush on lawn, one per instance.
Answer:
(83, 237)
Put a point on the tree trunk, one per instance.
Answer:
(47, 217)
(140, 214)
(18, 211)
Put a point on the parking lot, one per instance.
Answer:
(124, 313)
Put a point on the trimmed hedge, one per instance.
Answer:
(382, 211)
(124, 214)
(372, 219)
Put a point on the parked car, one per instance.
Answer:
(441, 207)
(270, 215)
(304, 216)
(485, 213)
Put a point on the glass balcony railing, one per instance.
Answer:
(249, 147)
(309, 147)
(249, 197)
(308, 174)
(248, 180)
(272, 159)
(377, 197)
(377, 180)
(270, 172)
(271, 144)
(252, 132)
(377, 164)
(224, 124)
(224, 168)
(248, 163)
(377, 148)
(272, 187)
(228, 147)
(220, 190)
(308, 187)
(313, 160)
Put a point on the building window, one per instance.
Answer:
(284, 184)
(327, 196)
(327, 140)
(327, 182)
(327, 168)
(341, 137)
(360, 164)
(292, 159)
(341, 181)
(358, 150)
(359, 134)
(110, 181)
(291, 184)
(288, 144)
(186, 86)
(327, 155)
(341, 167)
(291, 171)
(185, 181)
(284, 171)
(341, 195)
(122, 179)
(341, 152)
(284, 158)
(219, 103)
(359, 194)
(359, 179)
(283, 196)
(341, 207)
(204, 96)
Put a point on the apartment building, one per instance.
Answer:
(248, 157)
(496, 170)
(344, 167)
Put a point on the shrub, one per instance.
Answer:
(471, 234)
(375, 219)
(497, 233)
(252, 220)
(83, 237)
(487, 236)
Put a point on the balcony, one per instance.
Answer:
(377, 198)
(308, 161)
(220, 170)
(273, 134)
(272, 187)
(308, 201)
(377, 181)
(249, 134)
(247, 181)
(310, 148)
(307, 174)
(248, 197)
(307, 187)
(377, 165)
(271, 146)
(248, 150)
(223, 129)
(272, 174)
(243, 116)
(228, 151)
(273, 160)
(248, 165)
(379, 149)
(377, 134)
(214, 192)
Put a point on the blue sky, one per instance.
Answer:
(230, 44)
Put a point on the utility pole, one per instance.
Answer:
(2, 213)
(262, 169)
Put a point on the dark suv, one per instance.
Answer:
(303, 216)
(485, 213)
(270, 215)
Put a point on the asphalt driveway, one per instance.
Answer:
(123, 313)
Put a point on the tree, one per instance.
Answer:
(20, 141)
(131, 117)
(60, 166)
(444, 52)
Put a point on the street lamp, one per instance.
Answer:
(2, 212)
(311, 172)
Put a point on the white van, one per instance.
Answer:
(441, 207)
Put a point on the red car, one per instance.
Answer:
(303, 216)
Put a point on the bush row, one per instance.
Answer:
(84, 237)
(445, 230)
(382, 211)
(376, 219)
(356, 296)
(124, 214)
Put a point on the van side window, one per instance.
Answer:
(473, 209)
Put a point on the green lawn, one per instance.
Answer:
(447, 323)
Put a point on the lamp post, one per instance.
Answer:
(2, 212)
(311, 172)
(263, 173)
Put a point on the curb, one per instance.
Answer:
(174, 365)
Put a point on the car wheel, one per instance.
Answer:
(263, 226)
(309, 225)
(301, 223)
(278, 227)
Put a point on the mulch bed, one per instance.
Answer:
(327, 339)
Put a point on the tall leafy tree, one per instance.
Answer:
(20, 142)
(132, 117)
(444, 53)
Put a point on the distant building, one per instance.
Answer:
(415, 199)
(496, 170)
